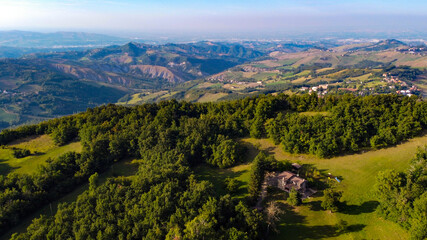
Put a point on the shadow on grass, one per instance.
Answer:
(5, 168)
(366, 207)
(294, 226)
(316, 232)
(270, 150)
(315, 205)
(217, 177)
(290, 216)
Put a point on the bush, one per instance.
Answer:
(20, 153)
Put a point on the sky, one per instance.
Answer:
(214, 16)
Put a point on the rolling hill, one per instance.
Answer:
(45, 85)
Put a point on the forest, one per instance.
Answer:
(171, 138)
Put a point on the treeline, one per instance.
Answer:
(172, 137)
(403, 195)
(352, 124)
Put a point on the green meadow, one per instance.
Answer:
(41, 148)
(357, 173)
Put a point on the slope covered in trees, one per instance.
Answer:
(164, 201)
(403, 196)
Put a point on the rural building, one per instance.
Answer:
(287, 181)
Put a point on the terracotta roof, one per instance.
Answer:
(286, 175)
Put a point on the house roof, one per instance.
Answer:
(286, 175)
(296, 165)
(291, 177)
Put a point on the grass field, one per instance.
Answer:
(7, 116)
(357, 173)
(44, 147)
(211, 97)
(315, 113)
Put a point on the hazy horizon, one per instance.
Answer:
(239, 18)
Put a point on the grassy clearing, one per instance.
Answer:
(303, 73)
(315, 113)
(145, 97)
(301, 80)
(7, 116)
(40, 144)
(240, 173)
(211, 97)
(263, 75)
(357, 172)
(41, 147)
(125, 168)
(364, 77)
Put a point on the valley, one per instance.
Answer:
(41, 86)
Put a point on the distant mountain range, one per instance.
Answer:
(58, 40)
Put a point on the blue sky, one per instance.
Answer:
(214, 16)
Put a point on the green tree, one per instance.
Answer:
(226, 154)
(231, 185)
(93, 182)
(419, 218)
(294, 197)
(331, 199)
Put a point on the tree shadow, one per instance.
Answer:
(319, 232)
(5, 168)
(315, 205)
(294, 226)
(289, 215)
(270, 150)
(366, 207)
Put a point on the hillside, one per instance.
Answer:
(46, 85)
(136, 73)
(186, 152)
(337, 70)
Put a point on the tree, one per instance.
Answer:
(331, 199)
(226, 154)
(387, 189)
(93, 182)
(231, 185)
(272, 215)
(419, 218)
(294, 197)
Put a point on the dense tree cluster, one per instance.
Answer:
(353, 123)
(163, 199)
(403, 196)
